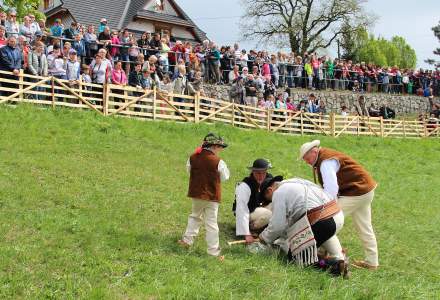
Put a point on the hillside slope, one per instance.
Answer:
(91, 207)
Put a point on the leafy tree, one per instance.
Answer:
(432, 61)
(303, 25)
(390, 52)
(407, 55)
(352, 41)
(394, 52)
(372, 53)
(23, 7)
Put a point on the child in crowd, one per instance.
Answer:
(73, 68)
(207, 171)
(114, 50)
(85, 74)
(79, 46)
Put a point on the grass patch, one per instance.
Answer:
(91, 208)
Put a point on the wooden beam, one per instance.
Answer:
(216, 112)
(392, 129)
(10, 97)
(318, 126)
(346, 126)
(78, 96)
(248, 118)
(175, 108)
(123, 107)
(287, 121)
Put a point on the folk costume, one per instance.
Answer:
(346, 180)
(251, 214)
(207, 171)
(304, 218)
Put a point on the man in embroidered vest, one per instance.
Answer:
(206, 170)
(250, 213)
(304, 219)
(347, 181)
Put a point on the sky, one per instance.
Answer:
(410, 19)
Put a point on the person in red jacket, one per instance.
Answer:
(177, 52)
(207, 171)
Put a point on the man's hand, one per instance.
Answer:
(16, 72)
(249, 239)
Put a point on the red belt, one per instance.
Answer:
(323, 212)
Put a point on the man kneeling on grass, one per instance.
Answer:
(251, 214)
(304, 218)
(206, 170)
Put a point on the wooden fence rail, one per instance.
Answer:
(110, 99)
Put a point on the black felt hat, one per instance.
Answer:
(260, 165)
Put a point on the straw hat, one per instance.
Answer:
(307, 147)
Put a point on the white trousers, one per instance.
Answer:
(206, 211)
(332, 245)
(359, 207)
(260, 217)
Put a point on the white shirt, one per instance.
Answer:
(222, 169)
(328, 170)
(35, 27)
(289, 203)
(242, 195)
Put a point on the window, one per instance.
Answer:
(160, 5)
(162, 28)
(48, 4)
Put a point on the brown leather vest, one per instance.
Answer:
(204, 181)
(353, 179)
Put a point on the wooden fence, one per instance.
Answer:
(128, 101)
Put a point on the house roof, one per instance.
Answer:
(199, 33)
(121, 12)
(151, 15)
(91, 11)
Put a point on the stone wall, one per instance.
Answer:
(403, 104)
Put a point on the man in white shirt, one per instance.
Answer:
(250, 213)
(304, 219)
(346, 180)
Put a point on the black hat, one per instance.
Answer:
(212, 139)
(260, 165)
(266, 184)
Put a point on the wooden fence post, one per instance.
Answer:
(20, 82)
(53, 91)
(359, 126)
(404, 128)
(233, 115)
(80, 86)
(333, 124)
(105, 93)
(197, 107)
(154, 102)
(425, 130)
(382, 131)
(125, 98)
(269, 119)
(302, 123)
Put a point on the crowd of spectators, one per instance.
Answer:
(100, 55)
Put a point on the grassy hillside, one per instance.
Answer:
(91, 207)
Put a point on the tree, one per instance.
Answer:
(390, 52)
(352, 41)
(303, 25)
(22, 7)
(372, 53)
(382, 52)
(432, 61)
(407, 55)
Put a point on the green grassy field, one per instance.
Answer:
(91, 208)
